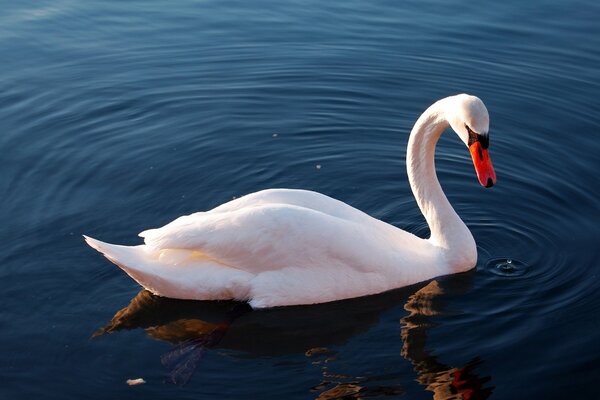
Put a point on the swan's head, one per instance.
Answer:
(470, 120)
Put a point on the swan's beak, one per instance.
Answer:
(483, 165)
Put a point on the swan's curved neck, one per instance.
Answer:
(447, 229)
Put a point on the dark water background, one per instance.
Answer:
(120, 116)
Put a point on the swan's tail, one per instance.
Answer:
(115, 253)
(138, 262)
(176, 273)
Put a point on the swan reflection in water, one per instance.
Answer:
(444, 381)
(196, 327)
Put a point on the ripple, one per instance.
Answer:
(506, 267)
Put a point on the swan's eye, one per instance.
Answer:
(485, 141)
(476, 137)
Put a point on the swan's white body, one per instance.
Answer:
(283, 247)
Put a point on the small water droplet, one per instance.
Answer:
(508, 267)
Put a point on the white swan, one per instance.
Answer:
(284, 247)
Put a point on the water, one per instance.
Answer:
(119, 116)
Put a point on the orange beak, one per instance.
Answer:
(483, 165)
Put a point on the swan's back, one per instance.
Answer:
(274, 247)
(292, 197)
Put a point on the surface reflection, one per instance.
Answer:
(341, 386)
(444, 381)
(195, 327)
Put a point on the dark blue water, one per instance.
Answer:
(120, 116)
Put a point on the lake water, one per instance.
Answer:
(120, 116)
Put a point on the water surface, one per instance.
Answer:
(116, 117)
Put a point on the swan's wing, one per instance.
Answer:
(269, 236)
(295, 197)
(275, 197)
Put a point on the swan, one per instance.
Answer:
(282, 247)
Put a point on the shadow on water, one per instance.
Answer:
(195, 327)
